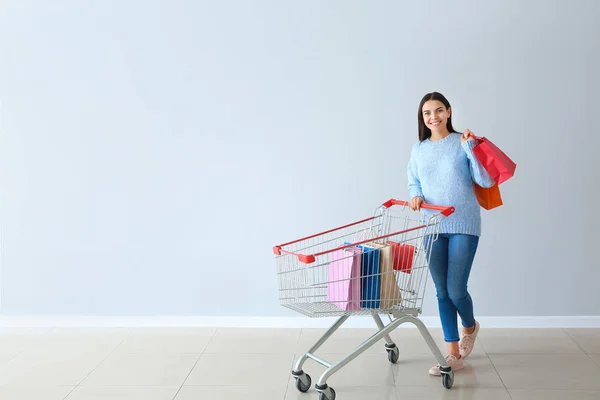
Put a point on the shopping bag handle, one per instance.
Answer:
(477, 138)
(445, 210)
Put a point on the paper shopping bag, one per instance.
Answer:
(495, 161)
(402, 256)
(488, 198)
(343, 287)
(369, 281)
(370, 284)
(389, 290)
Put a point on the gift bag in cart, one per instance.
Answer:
(375, 266)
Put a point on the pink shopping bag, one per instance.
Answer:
(343, 287)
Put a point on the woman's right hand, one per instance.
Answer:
(415, 203)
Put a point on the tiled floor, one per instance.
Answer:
(253, 364)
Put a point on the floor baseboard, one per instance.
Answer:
(281, 322)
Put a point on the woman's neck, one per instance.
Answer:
(439, 135)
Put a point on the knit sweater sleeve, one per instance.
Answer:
(414, 185)
(478, 173)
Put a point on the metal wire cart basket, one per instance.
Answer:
(378, 265)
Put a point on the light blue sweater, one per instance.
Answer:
(442, 172)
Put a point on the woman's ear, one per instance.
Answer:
(449, 111)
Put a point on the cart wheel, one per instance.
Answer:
(448, 380)
(393, 354)
(303, 382)
(323, 395)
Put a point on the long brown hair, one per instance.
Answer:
(424, 131)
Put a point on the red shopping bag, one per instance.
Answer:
(495, 161)
(402, 255)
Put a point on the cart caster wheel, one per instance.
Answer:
(448, 380)
(303, 382)
(393, 354)
(327, 394)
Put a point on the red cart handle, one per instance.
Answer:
(446, 211)
(310, 258)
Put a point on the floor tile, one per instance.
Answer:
(77, 345)
(142, 370)
(261, 370)
(252, 345)
(54, 343)
(67, 369)
(123, 393)
(547, 371)
(347, 393)
(455, 393)
(587, 338)
(231, 393)
(14, 344)
(23, 331)
(90, 331)
(257, 332)
(528, 341)
(34, 392)
(254, 363)
(413, 370)
(4, 357)
(173, 331)
(522, 394)
(595, 358)
(167, 344)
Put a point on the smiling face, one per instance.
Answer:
(435, 116)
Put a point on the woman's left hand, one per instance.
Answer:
(467, 135)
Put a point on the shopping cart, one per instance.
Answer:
(374, 266)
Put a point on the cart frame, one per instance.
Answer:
(397, 315)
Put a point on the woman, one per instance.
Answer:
(441, 171)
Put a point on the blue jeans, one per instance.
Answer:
(450, 264)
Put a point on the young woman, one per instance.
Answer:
(441, 171)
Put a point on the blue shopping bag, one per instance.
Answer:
(370, 285)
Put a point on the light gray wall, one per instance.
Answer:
(152, 152)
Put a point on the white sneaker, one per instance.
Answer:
(455, 363)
